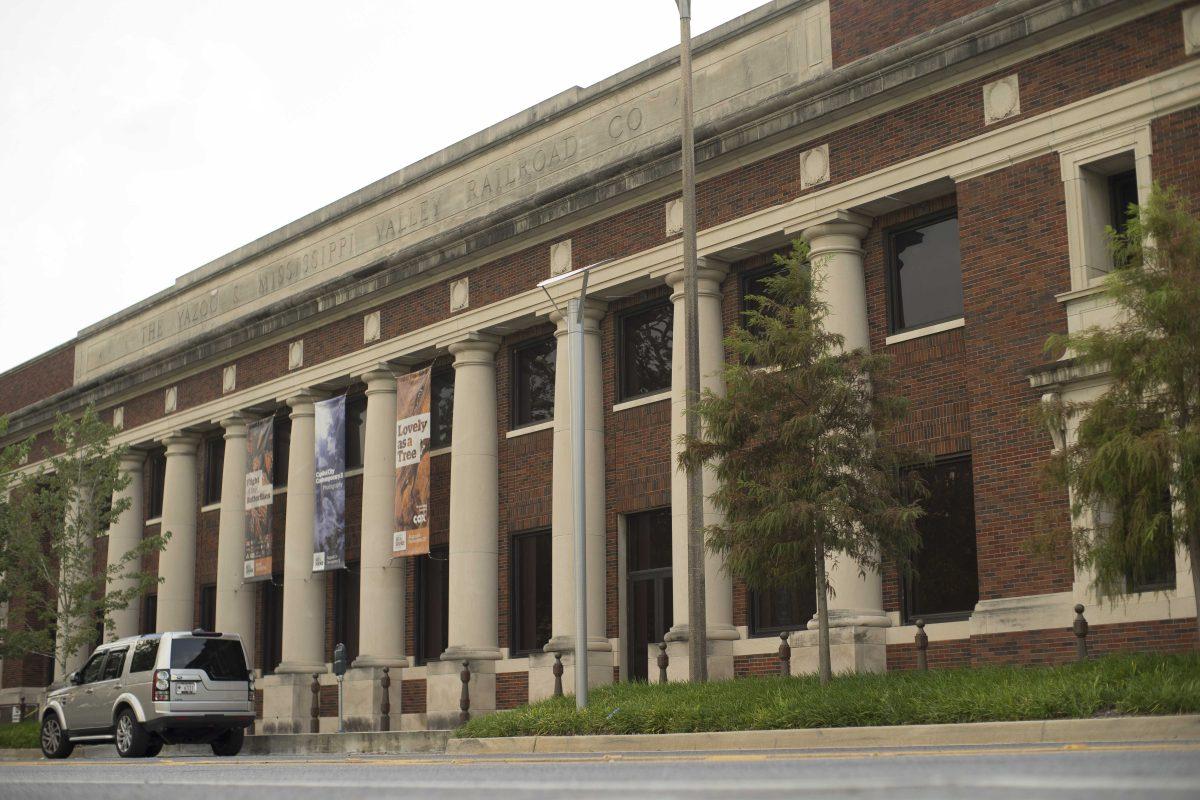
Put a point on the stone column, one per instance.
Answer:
(718, 589)
(381, 593)
(474, 529)
(303, 589)
(541, 678)
(73, 571)
(124, 535)
(235, 597)
(856, 614)
(177, 563)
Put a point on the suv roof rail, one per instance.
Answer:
(202, 632)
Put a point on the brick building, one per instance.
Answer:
(952, 163)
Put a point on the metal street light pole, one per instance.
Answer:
(697, 617)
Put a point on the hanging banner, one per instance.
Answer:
(260, 498)
(329, 497)
(411, 537)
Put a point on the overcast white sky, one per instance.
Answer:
(142, 139)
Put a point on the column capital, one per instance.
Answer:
(378, 377)
(132, 460)
(839, 230)
(301, 401)
(593, 313)
(234, 424)
(474, 347)
(709, 274)
(180, 442)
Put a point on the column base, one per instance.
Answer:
(541, 671)
(364, 694)
(443, 689)
(300, 668)
(566, 644)
(720, 660)
(287, 703)
(855, 648)
(375, 662)
(854, 618)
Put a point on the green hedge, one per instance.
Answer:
(1119, 684)
(23, 734)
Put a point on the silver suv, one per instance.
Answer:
(145, 691)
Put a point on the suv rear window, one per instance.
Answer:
(144, 653)
(221, 659)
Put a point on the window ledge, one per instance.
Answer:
(534, 428)
(154, 521)
(441, 451)
(211, 507)
(927, 330)
(644, 400)
(1079, 294)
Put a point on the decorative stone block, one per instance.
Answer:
(1191, 30)
(675, 217)
(460, 294)
(170, 400)
(1001, 99)
(119, 417)
(296, 354)
(814, 166)
(371, 329)
(560, 257)
(229, 379)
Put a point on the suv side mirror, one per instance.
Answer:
(77, 678)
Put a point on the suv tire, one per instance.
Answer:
(229, 743)
(55, 743)
(154, 748)
(131, 738)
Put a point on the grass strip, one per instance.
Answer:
(1127, 684)
(23, 734)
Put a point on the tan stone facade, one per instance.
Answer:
(810, 123)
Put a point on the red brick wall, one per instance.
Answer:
(512, 690)
(861, 27)
(757, 664)
(41, 378)
(1176, 157)
(412, 696)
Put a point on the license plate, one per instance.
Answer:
(185, 688)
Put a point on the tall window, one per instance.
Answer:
(208, 607)
(271, 644)
(149, 615)
(1122, 193)
(356, 430)
(531, 591)
(433, 604)
(441, 407)
(346, 584)
(1159, 573)
(283, 450)
(533, 382)
(156, 480)
(779, 610)
(925, 275)
(645, 350)
(214, 462)
(946, 583)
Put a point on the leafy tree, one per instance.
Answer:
(1134, 467)
(48, 525)
(801, 447)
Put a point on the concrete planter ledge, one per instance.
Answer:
(1061, 731)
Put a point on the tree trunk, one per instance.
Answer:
(825, 668)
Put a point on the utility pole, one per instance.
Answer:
(697, 618)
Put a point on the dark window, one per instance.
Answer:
(271, 646)
(356, 430)
(283, 451)
(144, 653)
(778, 610)
(208, 607)
(1159, 573)
(114, 664)
(441, 408)
(433, 604)
(946, 583)
(221, 659)
(648, 540)
(752, 284)
(1122, 193)
(649, 610)
(93, 669)
(646, 350)
(926, 274)
(531, 587)
(156, 479)
(533, 382)
(149, 613)
(214, 463)
(345, 609)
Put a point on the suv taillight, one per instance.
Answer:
(250, 690)
(162, 685)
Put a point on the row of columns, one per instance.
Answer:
(474, 498)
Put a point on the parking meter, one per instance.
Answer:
(339, 669)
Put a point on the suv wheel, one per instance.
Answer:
(55, 743)
(154, 748)
(229, 743)
(131, 737)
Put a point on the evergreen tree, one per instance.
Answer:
(1134, 467)
(801, 447)
(48, 525)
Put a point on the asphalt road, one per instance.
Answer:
(978, 773)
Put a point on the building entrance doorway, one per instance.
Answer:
(648, 594)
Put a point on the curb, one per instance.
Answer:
(1060, 731)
